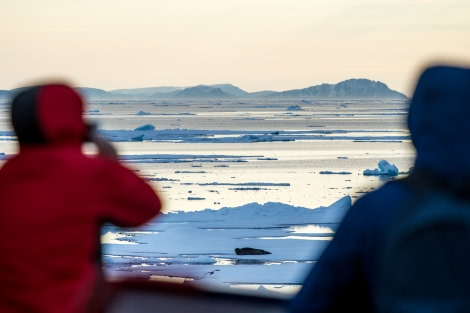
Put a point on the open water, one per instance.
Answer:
(232, 161)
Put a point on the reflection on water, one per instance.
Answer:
(310, 229)
(298, 237)
(250, 261)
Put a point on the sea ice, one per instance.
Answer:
(146, 127)
(385, 168)
(190, 244)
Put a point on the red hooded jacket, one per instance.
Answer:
(53, 200)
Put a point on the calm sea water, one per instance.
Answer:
(350, 137)
(355, 135)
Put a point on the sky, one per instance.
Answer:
(253, 44)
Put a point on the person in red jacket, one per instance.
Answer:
(53, 200)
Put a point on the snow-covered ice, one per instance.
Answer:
(192, 244)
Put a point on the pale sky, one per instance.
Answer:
(253, 44)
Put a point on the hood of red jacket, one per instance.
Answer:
(49, 114)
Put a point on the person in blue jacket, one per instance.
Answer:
(345, 277)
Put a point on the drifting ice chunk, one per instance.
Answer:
(138, 138)
(294, 108)
(385, 168)
(145, 127)
(142, 113)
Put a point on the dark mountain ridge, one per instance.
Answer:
(349, 89)
(201, 92)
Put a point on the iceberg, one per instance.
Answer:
(385, 168)
(146, 127)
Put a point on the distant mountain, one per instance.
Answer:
(146, 92)
(348, 89)
(231, 89)
(202, 92)
(100, 94)
(261, 94)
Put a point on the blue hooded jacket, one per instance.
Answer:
(345, 276)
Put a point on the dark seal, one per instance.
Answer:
(250, 251)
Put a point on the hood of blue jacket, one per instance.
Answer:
(439, 122)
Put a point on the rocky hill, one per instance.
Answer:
(348, 89)
(201, 92)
